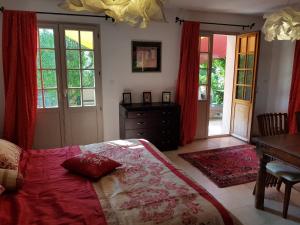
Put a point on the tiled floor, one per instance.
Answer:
(239, 199)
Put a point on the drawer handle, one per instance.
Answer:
(140, 134)
(140, 114)
(140, 123)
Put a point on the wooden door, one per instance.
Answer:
(82, 84)
(246, 60)
(205, 49)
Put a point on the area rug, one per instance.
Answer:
(226, 166)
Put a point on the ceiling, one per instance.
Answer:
(232, 6)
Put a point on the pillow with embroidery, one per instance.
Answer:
(2, 189)
(90, 165)
(11, 180)
(9, 155)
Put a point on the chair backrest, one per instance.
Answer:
(271, 124)
(298, 121)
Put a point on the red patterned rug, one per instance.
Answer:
(226, 166)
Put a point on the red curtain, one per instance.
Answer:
(294, 102)
(188, 81)
(19, 46)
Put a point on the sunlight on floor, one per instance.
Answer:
(216, 127)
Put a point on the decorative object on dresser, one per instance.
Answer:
(166, 97)
(147, 98)
(146, 56)
(126, 98)
(156, 122)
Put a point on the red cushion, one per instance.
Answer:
(90, 164)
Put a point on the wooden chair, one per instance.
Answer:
(271, 124)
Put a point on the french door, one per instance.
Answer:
(69, 95)
(244, 84)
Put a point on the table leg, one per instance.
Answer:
(260, 183)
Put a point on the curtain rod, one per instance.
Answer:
(178, 20)
(70, 14)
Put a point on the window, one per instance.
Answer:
(203, 67)
(78, 63)
(46, 69)
(245, 68)
(79, 51)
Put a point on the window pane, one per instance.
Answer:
(202, 75)
(249, 77)
(49, 79)
(204, 42)
(73, 61)
(74, 80)
(248, 93)
(48, 59)
(38, 60)
(88, 78)
(87, 59)
(242, 59)
(50, 98)
(251, 44)
(241, 77)
(72, 39)
(250, 61)
(46, 38)
(89, 97)
(86, 40)
(39, 80)
(239, 92)
(243, 44)
(40, 99)
(74, 97)
(202, 92)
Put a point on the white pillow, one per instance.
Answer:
(10, 179)
(9, 155)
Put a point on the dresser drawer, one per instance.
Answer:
(142, 114)
(148, 134)
(141, 123)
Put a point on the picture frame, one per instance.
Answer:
(146, 56)
(166, 97)
(126, 98)
(147, 97)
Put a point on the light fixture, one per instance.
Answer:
(282, 25)
(135, 12)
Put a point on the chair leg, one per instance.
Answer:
(279, 184)
(287, 195)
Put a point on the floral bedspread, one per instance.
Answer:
(148, 189)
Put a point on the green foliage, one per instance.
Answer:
(75, 59)
(217, 79)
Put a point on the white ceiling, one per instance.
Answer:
(232, 6)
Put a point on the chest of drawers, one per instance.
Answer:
(156, 122)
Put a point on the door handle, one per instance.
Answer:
(140, 123)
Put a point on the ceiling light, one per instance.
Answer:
(282, 25)
(134, 12)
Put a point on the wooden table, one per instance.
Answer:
(283, 147)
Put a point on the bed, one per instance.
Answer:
(146, 190)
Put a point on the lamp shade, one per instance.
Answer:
(133, 12)
(282, 25)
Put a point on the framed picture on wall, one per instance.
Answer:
(146, 56)
(147, 98)
(166, 97)
(126, 98)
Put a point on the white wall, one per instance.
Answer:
(228, 86)
(274, 78)
(116, 56)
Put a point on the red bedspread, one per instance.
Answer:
(50, 195)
